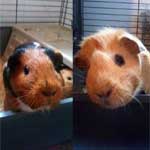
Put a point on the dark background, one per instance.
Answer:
(124, 128)
(5, 33)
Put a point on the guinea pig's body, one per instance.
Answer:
(144, 58)
(110, 58)
(31, 79)
(2, 91)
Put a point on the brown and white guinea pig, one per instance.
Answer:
(31, 78)
(111, 60)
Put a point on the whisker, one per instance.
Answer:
(133, 97)
(122, 102)
(137, 100)
(24, 96)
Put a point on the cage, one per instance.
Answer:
(48, 22)
(97, 128)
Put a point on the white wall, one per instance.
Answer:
(115, 13)
(7, 12)
(29, 11)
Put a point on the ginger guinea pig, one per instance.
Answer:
(31, 78)
(110, 58)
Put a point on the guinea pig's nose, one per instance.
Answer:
(49, 93)
(105, 95)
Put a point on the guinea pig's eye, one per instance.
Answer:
(26, 70)
(119, 60)
(69, 78)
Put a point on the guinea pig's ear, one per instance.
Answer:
(6, 80)
(133, 44)
(13, 60)
(87, 48)
(81, 61)
(58, 60)
(55, 56)
(6, 76)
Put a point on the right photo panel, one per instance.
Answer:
(111, 74)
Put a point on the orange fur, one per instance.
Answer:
(144, 58)
(104, 76)
(2, 91)
(30, 88)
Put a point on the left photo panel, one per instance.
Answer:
(36, 74)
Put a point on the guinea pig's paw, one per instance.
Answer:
(23, 107)
(43, 108)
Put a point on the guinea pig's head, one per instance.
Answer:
(32, 74)
(110, 58)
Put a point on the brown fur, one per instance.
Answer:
(29, 88)
(2, 91)
(67, 78)
(103, 75)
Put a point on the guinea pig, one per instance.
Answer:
(67, 78)
(31, 78)
(110, 58)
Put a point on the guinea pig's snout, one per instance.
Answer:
(49, 89)
(49, 92)
(104, 96)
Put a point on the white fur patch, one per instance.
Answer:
(24, 107)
